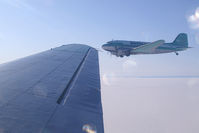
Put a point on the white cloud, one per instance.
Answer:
(194, 23)
(194, 19)
(105, 79)
(129, 64)
(109, 79)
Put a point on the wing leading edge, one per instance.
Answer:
(54, 91)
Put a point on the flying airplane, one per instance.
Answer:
(122, 48)
(55, 91)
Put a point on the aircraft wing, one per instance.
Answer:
(148, 48)
(56, 91)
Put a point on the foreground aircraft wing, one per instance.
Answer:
(56, 91)
(149, 48)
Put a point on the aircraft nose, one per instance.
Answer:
(104, 46)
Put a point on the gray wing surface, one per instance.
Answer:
(56, 91)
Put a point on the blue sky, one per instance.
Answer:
(35, 25)
(31, 26)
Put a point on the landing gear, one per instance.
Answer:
(176, 53)
(128, 53)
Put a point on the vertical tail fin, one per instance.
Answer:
(181, 40)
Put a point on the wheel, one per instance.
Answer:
(177, 53)
(128, 53)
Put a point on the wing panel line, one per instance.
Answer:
(64, 93)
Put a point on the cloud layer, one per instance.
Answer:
(128, 64)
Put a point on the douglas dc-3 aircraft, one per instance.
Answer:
(122, 48)
(55, 91)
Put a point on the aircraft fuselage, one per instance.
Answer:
(126, 48)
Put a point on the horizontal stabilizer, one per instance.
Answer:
(149, 47)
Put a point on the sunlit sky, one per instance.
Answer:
(169, 104)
